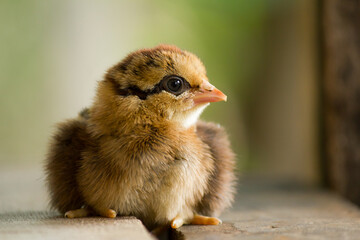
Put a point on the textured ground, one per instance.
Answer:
(24, 214)
(262, 211)
(282, 212)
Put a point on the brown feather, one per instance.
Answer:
(221, 185)
(63, 162)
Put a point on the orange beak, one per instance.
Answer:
(208, 93)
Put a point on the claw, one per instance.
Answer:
(177, 222)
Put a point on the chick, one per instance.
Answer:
(140, 149)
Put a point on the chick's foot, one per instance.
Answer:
(177, 222)
(78, 213)
(203, 220)
(109, 213)
(86, 212)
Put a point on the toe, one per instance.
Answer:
(69, 214)
(111, 213)
(78, 213)
(177, 222)
(203, 220)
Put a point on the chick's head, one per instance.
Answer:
(161, 83)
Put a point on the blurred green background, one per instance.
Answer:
(261, 53)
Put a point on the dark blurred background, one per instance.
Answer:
(262, 53)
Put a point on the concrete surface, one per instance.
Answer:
(261, 211)
(281, 212)
(47, 225)
(24, 214)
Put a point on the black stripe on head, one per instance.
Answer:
(136, 72)
(170, 64)
(136, 91)
(131, 90)
(151, 63)
(123, 66)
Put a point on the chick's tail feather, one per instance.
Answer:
(62, 164)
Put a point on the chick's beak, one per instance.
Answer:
(208, 93)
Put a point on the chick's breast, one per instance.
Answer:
(154, 175)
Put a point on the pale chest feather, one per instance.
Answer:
(160, 179)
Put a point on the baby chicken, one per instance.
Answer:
(140, 150)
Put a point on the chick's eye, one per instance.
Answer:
(174, 85)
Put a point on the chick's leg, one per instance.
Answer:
(78, 213)
(202, 220)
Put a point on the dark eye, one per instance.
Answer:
(174, 84)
